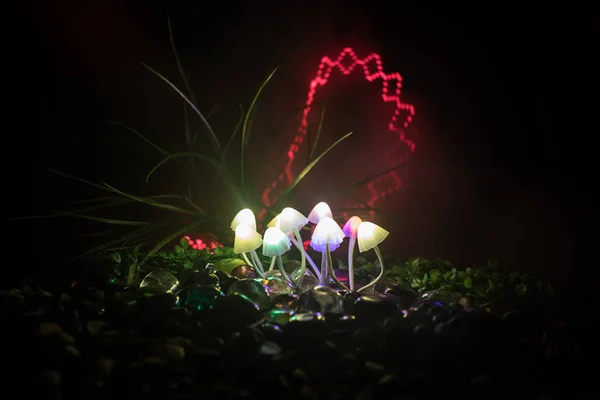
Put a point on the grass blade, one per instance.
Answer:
(102, 220)
(150, 202)
(121, 240)
(177, 234)
(213, 136)
(160, 149)
(186, 82)
(109, 198)
(310, 166)
(208, 115)
(245, 125)
(177, 155)
(319, 128)
(233, 135)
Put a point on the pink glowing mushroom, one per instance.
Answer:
(350, 229)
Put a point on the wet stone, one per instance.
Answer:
(406, 294)
(309, 280)
(160, 279)
(276, 286)
(321, 299)
(279, 316)
(236, 310)
(244, 272)
(374, 307)
(435, 298)
(252, 289)
(285, 300)
(201, 297)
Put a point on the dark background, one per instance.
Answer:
(490, 179)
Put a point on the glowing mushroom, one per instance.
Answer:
(296, 242)
(320, 211)
(276, 243)
(246, 217)
(326, 237)
(291, 220)
(247, 240)
(369, 237)
(350, 229)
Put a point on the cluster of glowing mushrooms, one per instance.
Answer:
(327, 236)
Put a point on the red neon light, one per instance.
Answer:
(391, 87)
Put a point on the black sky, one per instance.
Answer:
(490, 185)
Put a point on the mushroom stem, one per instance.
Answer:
(351, 262)
(308, 258)
(335, 279)
(283, 272)
(272, 266)
(380, 258)
(258, 271)
(303, 254)
(324, 271)
(254, 256)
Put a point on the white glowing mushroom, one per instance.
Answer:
(320, 211)
(351, 231)
(291, 221)
(275, 222)
(245, 216)
(326, 237)
(369, 237)
(276, 243)
(247, 240)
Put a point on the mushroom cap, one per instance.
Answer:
(245, 216)
(351, 227)
(327, 232)
(246, 239)
(273, 223)
(290, 219)
(320, 211)
(275, 242)
(370, 235)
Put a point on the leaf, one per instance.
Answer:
(150, 202)
(104, 220)
(360, 260)
(228, 264)
(184, 243)
(245, 124)
(233, 135)
(179, 65)
(399, 271)
(468, 282)
(116, 257)
(520, 289)
(177, 155)
(165, 241)
(313, 163)
(469, 271)
(319, 129)
(161, 150)
(212, 134)
(436, 275)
